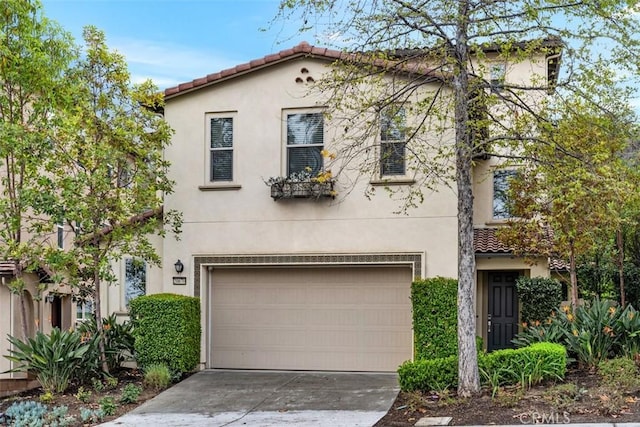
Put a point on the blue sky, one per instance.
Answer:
(174, 41)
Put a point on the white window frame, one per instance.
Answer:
(285, 152)
(84, 310)
(60, 234)
(208, 149)
(383, 142)
(507, 173)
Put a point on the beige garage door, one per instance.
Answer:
(329, 318)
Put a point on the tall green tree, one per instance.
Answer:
(34, 55)
(571, 196)
(112, 174)
(442, 85)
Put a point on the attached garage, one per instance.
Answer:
(343, 318)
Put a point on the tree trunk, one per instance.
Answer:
(620, 244)
(98, 314)
(468, 376)
(21, 300)
(573, 276)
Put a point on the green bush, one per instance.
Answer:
(434, 374)
(627, 327)
(118, 339)
(54, 359)
(435, 317)
(157, 376)
(108, 405)
(130, 394)
(591, 333)
(167, 331)
(539, 297)
(620, 374)
(525, 366)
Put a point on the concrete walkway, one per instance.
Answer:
(259, 398)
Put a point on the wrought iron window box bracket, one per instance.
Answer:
(302, 190)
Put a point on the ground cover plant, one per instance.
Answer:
(80, 405)
(75, 390)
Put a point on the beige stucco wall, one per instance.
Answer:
(11, 323)
(246, 220)
(113, 294)
(240, 218)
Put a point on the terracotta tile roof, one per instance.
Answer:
(303, 49)
(7, 268)
(486, 241)
(556, 264)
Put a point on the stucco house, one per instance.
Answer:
(302, 276)
(318, 279)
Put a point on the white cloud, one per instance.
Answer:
(168, 64)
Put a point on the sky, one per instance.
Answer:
(176, 41)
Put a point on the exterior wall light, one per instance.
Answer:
(179, 266)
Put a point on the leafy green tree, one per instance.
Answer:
(112, 175)
(446, 85)
(570, 197)
(34, 55)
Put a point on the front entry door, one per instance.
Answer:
(502, 321)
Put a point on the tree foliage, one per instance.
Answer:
(111, 174)
(34, 56)
(571, 198)
(436, 58)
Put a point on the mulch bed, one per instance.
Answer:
(541, 404)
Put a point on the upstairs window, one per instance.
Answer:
(305, 141)
(501, 179)
(392, 141)
(497, 73)
(135, 279)
(221, 149)
(60, 234)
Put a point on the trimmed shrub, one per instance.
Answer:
(435, 317)
(167, 331)
(525, 366)
(539, 297)
(434, 374)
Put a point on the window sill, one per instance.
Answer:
(393, 181)
(497, 222)
(220, 187)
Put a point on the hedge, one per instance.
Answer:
(167, 331)
(435, 317)
(539, 296)
(526, 365)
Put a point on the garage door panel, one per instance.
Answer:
(348, 318)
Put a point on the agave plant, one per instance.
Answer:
(54, 359)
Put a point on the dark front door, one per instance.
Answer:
(503, 309)
(56, 312)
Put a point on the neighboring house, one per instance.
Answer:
(313, 283)
(53, 307)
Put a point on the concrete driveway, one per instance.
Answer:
(260, 398)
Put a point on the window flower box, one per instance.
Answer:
(300, 186)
